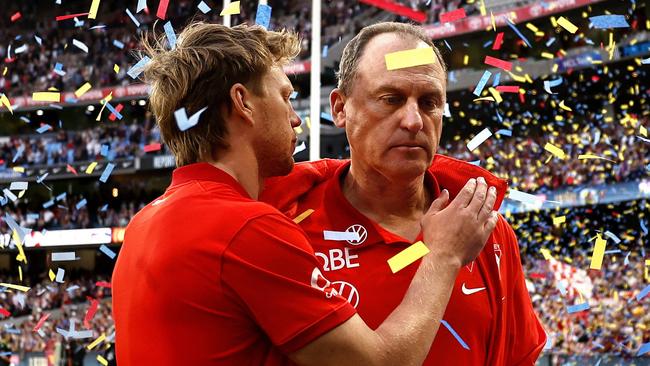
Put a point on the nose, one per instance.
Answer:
(412, 120)
(295, 120)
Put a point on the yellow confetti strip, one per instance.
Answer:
(303, 215)
(15, 287)
(547, 55)
(546, 253)
(19, 169)
(647, 270)
(643, 131)
(101, 359)
(231, 9)
(565, 107)
(559, 220)
(82, 90)
(21, 253)
(92, 14)
(6, 103)
(566, 24)
(46, 96)
(591, 156)
(532, 27)
(495, 93)
(51, 275)
(20, 273)
(599, 252)
(494, 25)
(554, 150)
(96, 341)
(410, 58)
(407, 256)
(116, 68)
(91, 167)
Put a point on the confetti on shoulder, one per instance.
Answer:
(407, 256)
(303, 215)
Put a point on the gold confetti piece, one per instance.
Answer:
(566, 24)
(308, 122)
(4, 72)
(96, 342)
(591, 156)
(15, 287)
(410, 58)
(231, 9)
(546, 253)
(82, 90)
(298, 130)
(547, 55)
(101, 359)
(20, 273)
(46, 97)
(494, 25)
(21, 257)
(19, 169)
(6, 103)
(559, 220)
(91, 167)
(116, 68)
(92, 14)
(647, 271)
(555, 150)
(303, 215)
(599, 251)
(465, 60)
(407, 256)
(52, 275)
(565, 107)
(643, 131)
(532, 27)
(495, 93)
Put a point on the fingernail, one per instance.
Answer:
(472, 181)
(481, 179)
(492, 189)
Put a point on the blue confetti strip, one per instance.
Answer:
(107, 172)
(137, 69)
(106, 250)
(514, 28)
(113, 110)
(504, 132)
(481, 83)
(204, 7)
(43, 128)
(643, 293)
(453, 332)
(496, 80)
(118, 44)
(81, 204)
(326, 116)
(171, 36)
(135, 21)
(645, 348)
(609, 21)
(577, 308)
(263, 15)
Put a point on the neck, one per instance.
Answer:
(242, 165)
(383, 198)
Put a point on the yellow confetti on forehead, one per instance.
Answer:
(410, 58)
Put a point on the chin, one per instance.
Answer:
(406, 168)
(279, 167)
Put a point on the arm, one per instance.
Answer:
(455, 235)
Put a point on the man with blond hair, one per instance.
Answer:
(393, 122)
(208, 275)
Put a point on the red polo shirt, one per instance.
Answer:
(489, 309)
(208, 276)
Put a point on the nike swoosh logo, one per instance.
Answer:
(469, 291)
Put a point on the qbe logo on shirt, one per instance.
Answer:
(363, 234)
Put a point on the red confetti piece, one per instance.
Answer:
(103, 284)
(493, 61)
(5, 312)
(162, 9)
(41, 322)
(498, 41)
(70, 169)
(508, 89)
(70, 16)
(152, 147)
(398, 9)
(16, 16)
(118, 109)
(92, 309)
(453, 15)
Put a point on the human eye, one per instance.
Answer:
(392, 99)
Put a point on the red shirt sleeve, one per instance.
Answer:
(271, 268)
(526, 336)
(283, 193)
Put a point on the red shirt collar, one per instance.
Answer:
(205, 172)
(335, 201)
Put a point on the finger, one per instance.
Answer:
(491, 222)
(439, 203)
(479, 196)
(488, 205)
(464, 197)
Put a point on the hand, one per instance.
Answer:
(459, 230)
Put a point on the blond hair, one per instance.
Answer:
(207, 61)
(354, 49)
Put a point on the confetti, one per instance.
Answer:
(138, 68)
(205, 8)
(82, 90)
(519, 34)
(41, 321)
(16, 16)
(498, 41)
(96, 342)
(452, 16)
(231, 9)
(142, 4)
(599, 251)
(70, 16)
(492, 61)
(548, 84)
(92, 14)
(508, 88)
(184, 123)
(410, 58)
(15, 287)
(453, 332)
(407, 256)
(107, 172)
(479, 139)
(162, 9)
(152, 147)
(556, 151)
(80, 45)
(135, 21)
(263, 15)
(481, 83)
(106, 250)
(577, 308)
(303, 216)
(46, 97)
(645, 348)
(609, 21)
(91, 167)
(567, 25)
(171, 36)
(399, 9)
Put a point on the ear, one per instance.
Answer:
(242, 103)
(337, 102)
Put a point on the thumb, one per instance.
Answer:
(439, 203)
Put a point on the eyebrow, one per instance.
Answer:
(387, 88)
